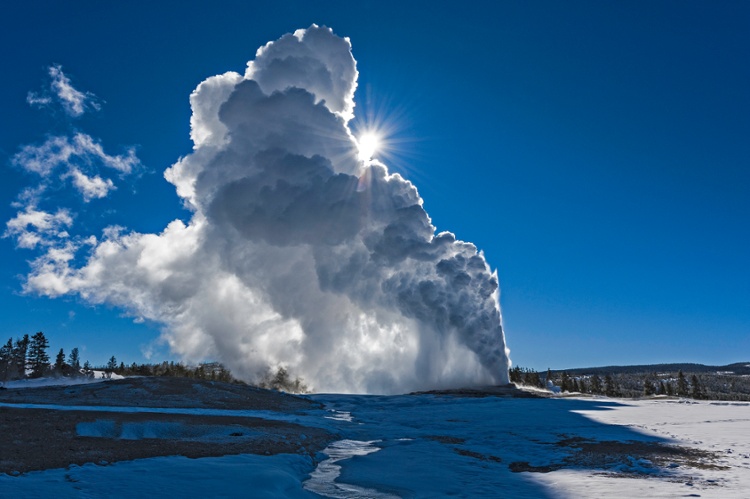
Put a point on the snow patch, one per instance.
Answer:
(65, 381)
(323, 480)
(340, 416)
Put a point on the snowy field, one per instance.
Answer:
(96, 377)
(434, 446)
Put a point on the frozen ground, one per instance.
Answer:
(433, 446)
(96, 377)
(555, 447)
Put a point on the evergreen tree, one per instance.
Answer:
(610, 386)
(281, 380)
(6, 358)
(75, 361)
(596, 385)
(682, 385)
(538, 379)
(37, 353)
(582, 385)
(18, 364)
(60, 362)
(548, 379)
(670, 391)
(111, 366)
(662, 388)
(648, 387)
(696, 387)
(531, 378)
(565, 382)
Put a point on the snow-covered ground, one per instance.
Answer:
(96, 377)
(434, 446)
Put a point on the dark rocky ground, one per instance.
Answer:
(160, 392)
(37, 439)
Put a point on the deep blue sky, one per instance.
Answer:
(598, 152)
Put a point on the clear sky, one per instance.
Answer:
(597, 152)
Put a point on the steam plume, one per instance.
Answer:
(298, 253)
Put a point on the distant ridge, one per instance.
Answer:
(739, 368)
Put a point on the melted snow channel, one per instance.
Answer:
(340, 416)
(323, 480)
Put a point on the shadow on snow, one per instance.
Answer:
(434, 445)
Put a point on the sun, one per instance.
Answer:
(368, 144)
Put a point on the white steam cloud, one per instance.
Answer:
(298, 253)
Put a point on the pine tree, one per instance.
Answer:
(281, 380)
(111, 367)
(682, 385)
(38, 358)
(648, 387)
(534, 379)
(60, 362)
(582, 385)
(531, 378)
(610, 386)
(696, 387)
(18, 364)
(75, 362)
(596, 385)
(670, 391)
(565, 382)
(6, 359)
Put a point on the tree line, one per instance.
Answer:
(27, 358)
(708, 386)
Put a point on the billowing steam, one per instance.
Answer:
(299, 253)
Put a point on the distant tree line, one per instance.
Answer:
(700, 386)
(212, 371)
(27, 358)
(524, 376)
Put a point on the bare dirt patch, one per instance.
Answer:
(657, 455)
(628, 458)
(38, 439)
(477, 455)
(445, 439)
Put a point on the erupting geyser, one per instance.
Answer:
(301, 251)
